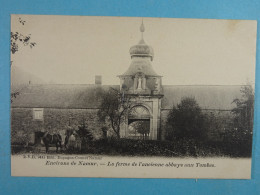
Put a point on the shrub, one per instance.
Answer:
(176, 148)
(186, 121)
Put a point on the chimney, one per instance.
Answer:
(98, 80)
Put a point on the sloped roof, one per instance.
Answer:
(140, 65)
(87, 96)
(207, 96)
(60, 96)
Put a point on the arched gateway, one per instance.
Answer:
(143, 86)
(139, 122)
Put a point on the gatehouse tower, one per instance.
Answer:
(144, 87)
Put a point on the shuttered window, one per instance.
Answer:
(38, 113)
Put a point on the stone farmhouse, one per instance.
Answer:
(55, 107)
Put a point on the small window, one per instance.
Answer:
(38, 113)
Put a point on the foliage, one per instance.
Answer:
(113, 109)
(84, 133)
(14, 95)
(142, 127)
(22, 137)
(18, 38)
(244, 110)
(104, 130)
(187, 121)
(242, 128)
(176, 148)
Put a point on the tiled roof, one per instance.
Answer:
(207, 96)
(87, 96)
(60, 96)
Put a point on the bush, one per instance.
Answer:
(186, 121)
(176, 148)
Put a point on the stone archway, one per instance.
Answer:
(139, 112)
(139, 129)
(139, 119)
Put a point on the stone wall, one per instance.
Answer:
(23, 124)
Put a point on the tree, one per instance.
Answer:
(186, 120)
(16, 40)
(244, 110)
(142, 127)
(104, 130)
(243, 115)
(113, 109)
(84, 133)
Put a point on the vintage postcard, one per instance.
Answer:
(132, 97)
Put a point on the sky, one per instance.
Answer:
(73, 49)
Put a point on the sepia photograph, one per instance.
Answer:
(132, 97)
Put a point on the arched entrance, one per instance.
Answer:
(139, 123)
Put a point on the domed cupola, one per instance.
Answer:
(140, 77)
(142, 49)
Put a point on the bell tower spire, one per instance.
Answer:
(142, 29)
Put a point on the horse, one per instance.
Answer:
(50, 139)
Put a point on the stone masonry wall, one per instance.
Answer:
(57, 121)
(54, 120)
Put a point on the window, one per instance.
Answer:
(38, 113)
